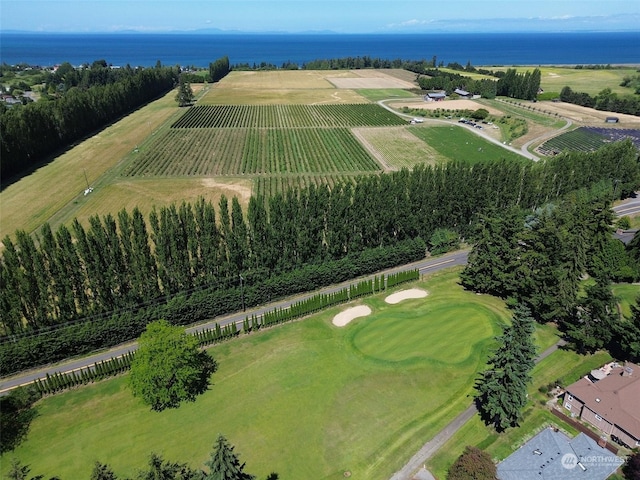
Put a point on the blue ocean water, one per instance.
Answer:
(201, 49)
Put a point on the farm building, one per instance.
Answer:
(608, 399)
(462, 93)
(612, 120)
(435, 96)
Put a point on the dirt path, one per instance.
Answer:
(417, 462)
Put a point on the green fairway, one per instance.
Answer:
(307, 400)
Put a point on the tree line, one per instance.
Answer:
(195, 251)
(345, 63)
(512, 84)
(436, 79)
(81, 102)
(223, 464)
(605, 100)
(539, 259)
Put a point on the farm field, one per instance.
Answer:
(143, 146)
(59, 185)
(145, 193)
(588, 116)
(398, 147)
(587, 139)
(554, 78)
(268, 185)
(288, 87)
(307, 399)
(454, 142)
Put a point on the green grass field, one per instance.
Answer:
(458, 143)
(562, 365)
(627, 295)
(553, 79)
(307, 400)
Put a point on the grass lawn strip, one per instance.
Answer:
(307, 400)
(457, 143)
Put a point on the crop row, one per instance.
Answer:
(269, 185)
(286, 116)
(580, 139)
(617, 134)
(588, 139)
(202, 152)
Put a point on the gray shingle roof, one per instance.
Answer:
(552, 455)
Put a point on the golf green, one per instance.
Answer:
(306, 399)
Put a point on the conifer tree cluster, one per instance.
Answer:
(502, 388)
(541, 259)
(114, 267)
(223, 464)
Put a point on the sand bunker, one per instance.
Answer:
(343, 318)
(405, 295)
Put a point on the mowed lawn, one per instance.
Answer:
(457, 143)
(307, 400)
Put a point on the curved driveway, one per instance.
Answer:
(523, 151)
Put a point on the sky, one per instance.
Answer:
(344, 16)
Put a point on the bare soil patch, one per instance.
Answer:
(343, 318)
(406, 295)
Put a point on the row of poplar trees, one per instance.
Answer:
(118, 263)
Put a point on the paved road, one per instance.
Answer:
(628, 207)
(436, 443)
(24, 378)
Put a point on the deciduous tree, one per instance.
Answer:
(473, 464)
(168, 367)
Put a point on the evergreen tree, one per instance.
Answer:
(502, 388)
(627, 334)
(224, 464)
(495, 254)
(160, 469)
(102, 471)
(17, 471)
(185, 96)
(595, 318)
